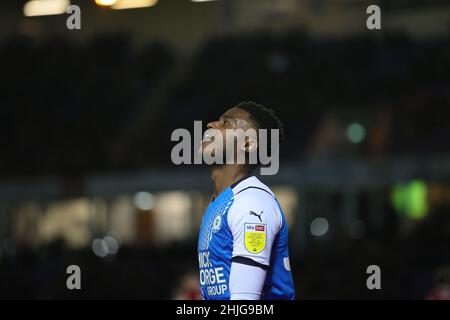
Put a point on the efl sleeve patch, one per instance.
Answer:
(255, 237)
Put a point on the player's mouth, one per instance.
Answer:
(207, 136)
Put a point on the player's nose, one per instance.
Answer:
(212, 125)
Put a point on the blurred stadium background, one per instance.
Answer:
(86, 118)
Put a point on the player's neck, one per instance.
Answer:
(224, 176)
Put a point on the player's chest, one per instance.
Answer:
(216, 213)
(214, 228)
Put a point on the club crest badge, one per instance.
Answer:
(217, 223)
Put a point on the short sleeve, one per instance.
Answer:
(254, 220)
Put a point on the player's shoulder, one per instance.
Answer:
(251, 193)
(254, 202)
(250, 188)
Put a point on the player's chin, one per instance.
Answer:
(210, 153)
(205, 144)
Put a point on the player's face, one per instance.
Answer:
(234, 118)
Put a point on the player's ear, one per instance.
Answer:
(251, 144)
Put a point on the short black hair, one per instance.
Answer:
(263, 118)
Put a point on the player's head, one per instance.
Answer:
(248, 115)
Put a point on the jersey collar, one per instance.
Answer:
(240, 180)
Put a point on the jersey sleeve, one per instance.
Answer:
(246, 282)
(254, 220)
